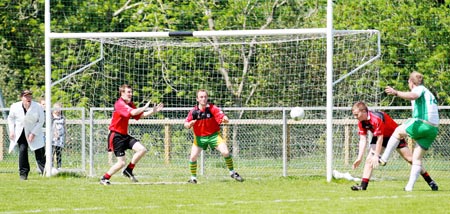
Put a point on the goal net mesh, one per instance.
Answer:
(255, 79)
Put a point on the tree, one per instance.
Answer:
(414, 37)
(21, 47)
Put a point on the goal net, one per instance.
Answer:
(255, 77)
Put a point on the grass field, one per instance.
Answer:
(75, 194)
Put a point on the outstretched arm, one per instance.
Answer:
(139, 111)
(407, 95)
(156, 108)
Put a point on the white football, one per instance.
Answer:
(297, 113)
(55, 171)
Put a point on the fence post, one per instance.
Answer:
(167, 140)
(347, 141)
(288, 143)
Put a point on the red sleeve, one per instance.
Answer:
(189, 116)
(217, 112)
(122, 108)
(125, 109)
(378, 126)
(136, 117)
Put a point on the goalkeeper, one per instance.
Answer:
(205, 119)
(118, 139)
(382, 126)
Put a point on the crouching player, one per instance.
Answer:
(382, 127)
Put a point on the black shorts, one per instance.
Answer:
(119, 143)
(386, 140)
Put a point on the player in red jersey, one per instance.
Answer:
(205, 120)
(382, 126)
(119, 140)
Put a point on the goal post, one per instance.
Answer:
(245, 72)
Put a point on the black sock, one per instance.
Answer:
(427, 177)
(364, 183)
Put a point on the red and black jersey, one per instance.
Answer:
(379, 123)
(121, 116)
(208, 119)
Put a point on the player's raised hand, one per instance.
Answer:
(158, 107)
(154, 109)
(391, 91)
(147, 104)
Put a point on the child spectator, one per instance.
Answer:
(59, 133)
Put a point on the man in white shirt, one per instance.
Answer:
(25, 122)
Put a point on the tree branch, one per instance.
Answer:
(269, 20)
(216, 46)
(126, 6)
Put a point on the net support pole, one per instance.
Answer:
(91, 142)
(285, 143)
(48, 83)
(329, 143)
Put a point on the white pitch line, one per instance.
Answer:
(147, 183)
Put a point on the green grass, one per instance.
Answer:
(75, 194)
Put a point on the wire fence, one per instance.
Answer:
(264, 142)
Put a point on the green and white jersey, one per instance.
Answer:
(425, 107)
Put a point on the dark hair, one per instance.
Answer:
(123, 87)
(25, 92)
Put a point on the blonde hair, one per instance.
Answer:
(202, 90)
(361, 106)
(57, 108)
(416, 78)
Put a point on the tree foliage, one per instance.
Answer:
(414, 37)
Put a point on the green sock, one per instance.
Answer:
(229, 163)
(193, 168)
